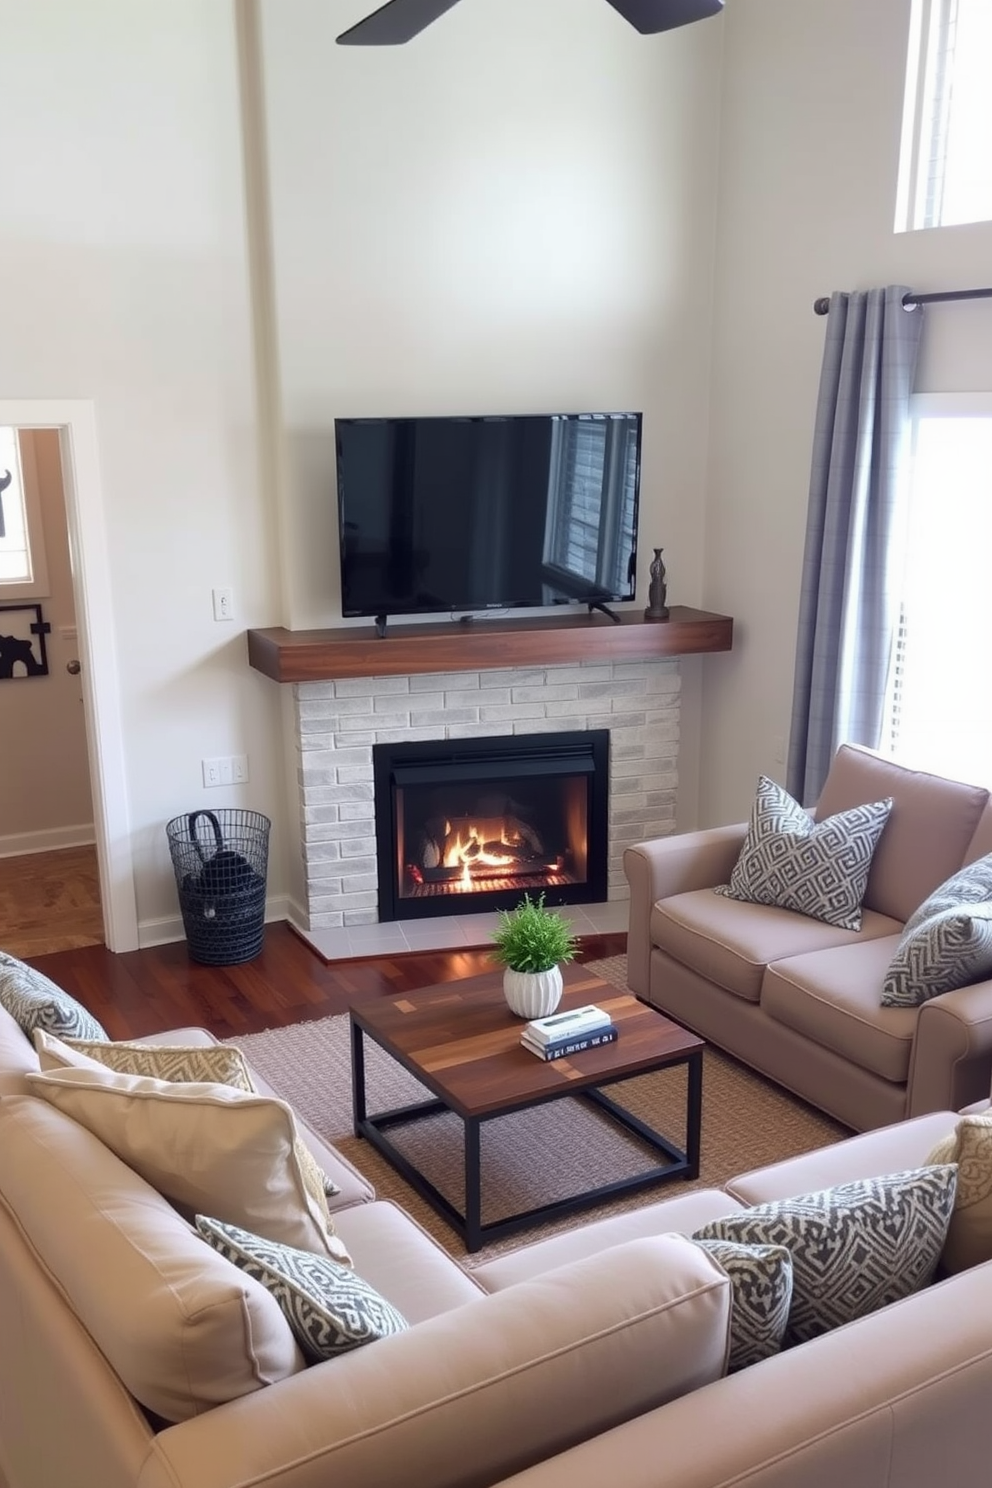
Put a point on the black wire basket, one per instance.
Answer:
(220, 859)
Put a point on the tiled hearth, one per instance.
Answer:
(339, 721)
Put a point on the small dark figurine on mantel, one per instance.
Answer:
(657, 594)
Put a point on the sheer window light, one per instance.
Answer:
(940, 715)
(945, 174)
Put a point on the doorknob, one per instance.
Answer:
(73, 668)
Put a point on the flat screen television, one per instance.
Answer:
(487, 513)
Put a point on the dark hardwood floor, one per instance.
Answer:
(142, 992)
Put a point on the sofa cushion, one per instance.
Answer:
(403, 1262)
(761, 1277)
(951, 949)
(33, 1001)
(183, 1329)
(182, 1064)
(929, 829)
(980, 845)
(730, 942)
(969, 1235)
(202, 1146)
(17, 1056)
(817, 868)
(886, 1149)
(329, 1308)
(832, 997)
(856, 1247)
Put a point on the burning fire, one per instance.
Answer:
(477, 850)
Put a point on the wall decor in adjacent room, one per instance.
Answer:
(23, 652)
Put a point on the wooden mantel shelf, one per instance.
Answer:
(454, 646)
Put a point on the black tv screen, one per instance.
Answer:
(441, 514)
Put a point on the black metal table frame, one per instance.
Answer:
(681, 1163)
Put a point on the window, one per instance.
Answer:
(940, 706)
(945, 173)
(23, 571)
(590, 525)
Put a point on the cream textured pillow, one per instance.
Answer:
(218, 1064)
(183, 1329)
(969, 1236)
(202, 1146)
(818, 869)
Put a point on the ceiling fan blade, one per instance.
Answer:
(651, 16)
(395, 22)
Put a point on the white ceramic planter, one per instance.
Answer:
(532, 994)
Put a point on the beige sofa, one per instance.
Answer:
(597, 1355)
(798, 999)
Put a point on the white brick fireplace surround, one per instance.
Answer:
(338, 722)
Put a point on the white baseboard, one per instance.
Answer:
(169, 928)
(18, 844)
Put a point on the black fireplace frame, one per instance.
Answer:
(571, 752)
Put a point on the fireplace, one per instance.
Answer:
(467, 825)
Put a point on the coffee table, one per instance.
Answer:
(462, 1042)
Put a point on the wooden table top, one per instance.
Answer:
(462, 1041)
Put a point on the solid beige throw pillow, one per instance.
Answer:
(202, 1146)
(218, 1064)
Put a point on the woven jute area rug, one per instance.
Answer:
(546, 1153)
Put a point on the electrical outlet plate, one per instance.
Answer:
(225, 769)
(223, 604)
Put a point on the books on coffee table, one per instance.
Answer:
(570, 1024)
(573, 1043)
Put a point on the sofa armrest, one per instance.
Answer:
(952, 1051)
(899, 1397)
(672, 865)
(477, 1392)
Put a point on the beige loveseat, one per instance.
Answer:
(595, 1356)
(798, 999)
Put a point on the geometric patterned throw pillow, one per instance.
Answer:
(855, 1247)
(761, 1279)
(35, 1002)
(970, 885)
(951, 949)
(818, 869)
(328, 1307)
(188, 1064)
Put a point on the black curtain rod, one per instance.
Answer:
(822, 305)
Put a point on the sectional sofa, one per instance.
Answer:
(800, 999)
(134, 1357)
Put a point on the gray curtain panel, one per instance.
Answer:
(849, 598)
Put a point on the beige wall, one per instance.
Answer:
(44, 781)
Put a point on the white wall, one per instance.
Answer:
(123, 281)
(812, 111)
(512, 213)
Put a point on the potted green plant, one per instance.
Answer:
(533, 943)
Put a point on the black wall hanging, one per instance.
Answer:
(23, 652)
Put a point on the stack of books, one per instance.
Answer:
(561, 1034)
